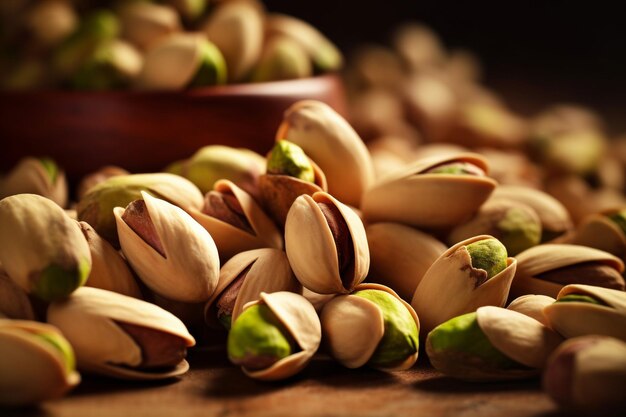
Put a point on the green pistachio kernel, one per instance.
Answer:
(401, 336)
(580, 298)
(619, 219)
(457, 168)
(489, 255)
(519, 230)
(288, 158)
(59, 343)
(51, 168)
(257, 339)
(212, 67)
(56, 282)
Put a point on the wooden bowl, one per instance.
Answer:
(145, 131)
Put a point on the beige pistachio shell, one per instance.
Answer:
(95, 178)
(269, 272)
(282, 59)
(302, 322)
(109, 270)
(312, 251)
(32, 370)
(400, 256)
(318, 300)
(30, 176)
(332, 143)
(354, 326)
(420, 199)
(448, 289)
(144, 23)
(572, 319)
(190, 269)
(231, 240)
(14, 303)
(598, 231)
(532, 305)
(89, 321)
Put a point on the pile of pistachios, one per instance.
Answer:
(154, 45)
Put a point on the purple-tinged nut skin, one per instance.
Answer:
(226, 208)
(137, 218)
(343, 240)
(226, 302)
(158, 349)
(588, 273)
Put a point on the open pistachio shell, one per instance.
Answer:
(231, 240)
(37, 363)
(400, 256)
(266, 270)
(300, 319)
(532, 305)
(326, 259)
(547, 258)
(600, 232)
(354, 327)
(94, 320)
(189, 268)
(14, 302)
(144, 23)
(577, 318)
(452, 286)
(36, 176)
(400, 197)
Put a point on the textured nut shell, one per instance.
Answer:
(31, 369)
(145, 23)
(518, 336)
(190, 270)
(598, 231)
(88, 320)
(532, 305)
(269, 272)
(447, 289)
(573, 319)
(29, 176)
(318, 300)
(330, 141)
(300, 319)
(424, 200)
(231, 240)
(400, 256)
(14, 302)
(311, 249)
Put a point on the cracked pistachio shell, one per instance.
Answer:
(400, 196)
(282, 59)
(96, 207)
(41, 248)
(301, 321)
(532, 305)
(145, 23)
(231, 240)
(400, 256)
(576, 318)
(354, 327)
(333, 144)
(491, 344)
(268, 271)
(546, 258)
(312, 248)
(37, 363)
(601, 232)
(190, 268)
(109, 271)
(14, 302)
(452, 286)
(92, 321)
(36, 176)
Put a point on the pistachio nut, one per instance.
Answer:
(605, 231)
(333, 144)
(287, 158)
(588, 373)
(242, 280)
(514, 224)
(182, 60)
(419, 46)
(476, 272)
(322, 52)
(318, 300)
(236, 28)
(37, 363)
(545, 269)
(532, 305)
(399, 197)
(581, 310)
(282, 59)
(171, 252)
(275, 337)
(95, 178)
(491, 344)
(373, 326)
(109, 271)
(235, 221)
(326, 244)
(36, 176)
(96, 207)
(41, 248)
(14, 302)
(145, 23)
(189, 9)
(400, 256)
(51, 21)
(121, 336)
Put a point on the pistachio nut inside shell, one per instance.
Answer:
(39, 176)
(171, 252)
(14, 302)
(287, 158)
(372, 326)
(37, 363)
(143, 23)
(399, 197)
(326, 244)
(95, 178)
(532, 305)
(41, 248)
(596, 310)
(294, 328)
(121, 336)
(473, 273)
